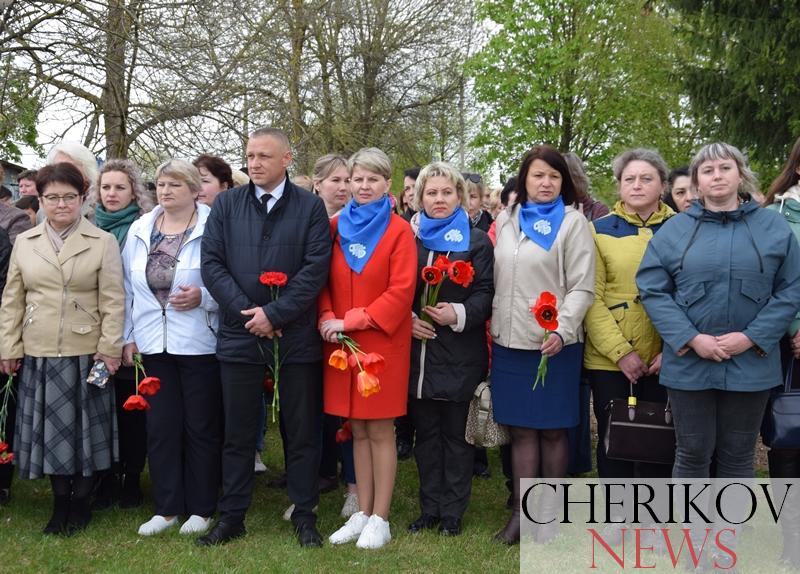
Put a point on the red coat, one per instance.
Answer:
(382, 296)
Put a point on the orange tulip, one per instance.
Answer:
(338, 360)
(373, 363)
(368, 384)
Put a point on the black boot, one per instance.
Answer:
(79, 515)
(523, 464)
(58, 521)
(131, 494)
(106, 490)
(785, 464)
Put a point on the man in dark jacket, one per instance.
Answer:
(268, 225)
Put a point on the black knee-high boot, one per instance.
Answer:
(62, 490)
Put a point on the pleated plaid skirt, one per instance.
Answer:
(64, 424)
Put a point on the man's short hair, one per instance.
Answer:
(276, 133)
(412, 172)
(27, 174)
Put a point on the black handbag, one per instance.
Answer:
(640, 431)
(781, 426)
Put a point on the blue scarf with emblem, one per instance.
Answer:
(540, 222)
(448, 234)
(361, 228)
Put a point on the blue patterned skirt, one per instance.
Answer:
(554, 405)
(64, 425)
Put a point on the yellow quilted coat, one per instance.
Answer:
(616, 323)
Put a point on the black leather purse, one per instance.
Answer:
(640, 431)
(781, 426)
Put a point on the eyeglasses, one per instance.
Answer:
(473, 177)
(68, 199)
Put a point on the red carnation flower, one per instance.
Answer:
(273, 278)
(6, 457)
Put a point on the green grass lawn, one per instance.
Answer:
(111, 544)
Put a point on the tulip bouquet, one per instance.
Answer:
(369, 365)
(546, 314)
(147, 386)
(6, 456)
(459, 272)
(274, 280)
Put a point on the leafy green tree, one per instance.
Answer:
(19, 110)
(592, 77)
(743, 74)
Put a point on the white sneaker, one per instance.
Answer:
(375, 534)
(260, 467)
(351, 530)
(156, 525)
(287, 514)
(196, 525)
(350, 505)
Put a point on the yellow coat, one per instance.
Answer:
(616, 323)
(66, 304)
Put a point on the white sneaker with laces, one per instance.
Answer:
(376, 533)
(157, 525)
(196, 525)
(350, 505)
(351, 530)
(260, 467)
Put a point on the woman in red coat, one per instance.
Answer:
(369, 297)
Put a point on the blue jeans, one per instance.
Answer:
(725, 421)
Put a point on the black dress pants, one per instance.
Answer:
(132, 425)
(444, 458)
(184, 433)
(300, 390)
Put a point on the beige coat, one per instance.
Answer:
(522, 270)
(63, 305)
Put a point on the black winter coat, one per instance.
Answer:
(455, 363)
(242, 240)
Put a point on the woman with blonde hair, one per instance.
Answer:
(331, 182)
(171, 319)
(441, 387)
(120, 199)
(368, 297)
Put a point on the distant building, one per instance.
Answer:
(11, 171)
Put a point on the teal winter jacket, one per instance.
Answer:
(788, 205)
(714, 273)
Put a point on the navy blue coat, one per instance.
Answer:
(241, 241)
(714, 273)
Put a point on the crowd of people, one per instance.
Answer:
(687, 288)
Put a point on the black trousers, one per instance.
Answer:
(7, 470)
(300, 390)
(444, 458)
(184, 433)
(329, 463)
(404, 428)
(609, 385)
(132, 425)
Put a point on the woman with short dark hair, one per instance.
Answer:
(62, 311)
(543, 244)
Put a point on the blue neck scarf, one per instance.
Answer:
(361, 228)
(448, 234)
(540, 222)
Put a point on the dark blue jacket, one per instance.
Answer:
(716, 273)
(241, 241)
